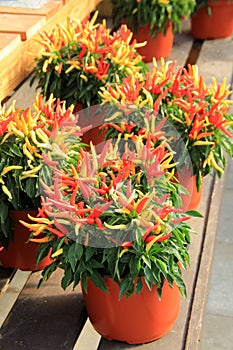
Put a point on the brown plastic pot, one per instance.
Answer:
(191, 200)
(20, 253)
(159, 46)
(217, 25)
(138, 319)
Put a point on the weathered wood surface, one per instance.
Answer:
(45, 314)
(47, 10)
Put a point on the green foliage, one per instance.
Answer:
(154, 266)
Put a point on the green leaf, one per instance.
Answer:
(149, 276)
(74, 254)
(3, 211)
(98, 280)
(146, 260)
(43, 251)
(84, 278)
(67, 278)
(31, 187)
(162, 267)
(124, 286)
(194, 213)
(89, 252)
(139, 286)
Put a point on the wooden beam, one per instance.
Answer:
(47, 10)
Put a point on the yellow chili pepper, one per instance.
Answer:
(9, 168)
(27, 153)
(6, 191)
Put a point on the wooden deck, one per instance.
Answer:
(49, 318)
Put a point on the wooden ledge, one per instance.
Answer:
(46, 10)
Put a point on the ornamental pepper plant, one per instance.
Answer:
(111, 214)
(195, 118)
(25, 134)
(79, 58)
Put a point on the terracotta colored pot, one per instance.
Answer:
(20, 253)
(217, 25)
(91, 118)
(192, 199)
(159, 46)
(139, 319)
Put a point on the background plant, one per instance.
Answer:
(205, 3)
(156, 13)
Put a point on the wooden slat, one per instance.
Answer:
(8, 43)
(12, 69)
(44, 318)
(25, 25)
(201, 288)
(8, 299)
(88, 338)
(46, 10)
(215, 59)
(6, 275)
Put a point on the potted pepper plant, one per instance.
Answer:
(153, 21)
(212, 19)
(79, 58)
(110, 222)
(24, 136)
(196, 119)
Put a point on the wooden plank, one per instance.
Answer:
(216, 59)
(12, 70)
(88, 338)
(8, 299)
(46, 10)
(201, 288)
(44, 318)
(6, 275)
(8, 43)
(25, 25)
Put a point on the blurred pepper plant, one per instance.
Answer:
(111, 213)
(206, 4)
(177, 105)
(79, 58)
(156, 13)
(24, 137)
